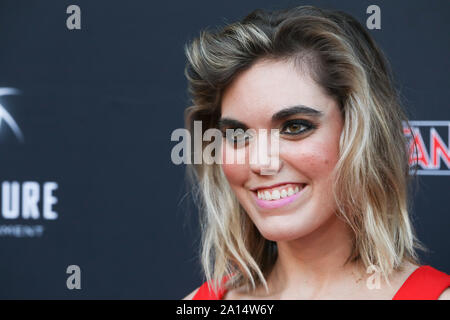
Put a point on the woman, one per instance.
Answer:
(331, 220)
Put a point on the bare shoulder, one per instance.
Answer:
(404, 273)
(409, 267)
(191, 295)
(407, 270)
(445, 295)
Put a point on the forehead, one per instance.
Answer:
(269, 86)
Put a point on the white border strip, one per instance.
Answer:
(430, 123)
(431, 172)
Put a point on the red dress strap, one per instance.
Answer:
(425, 283)
(205, 291)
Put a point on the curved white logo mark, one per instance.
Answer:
(5, 116)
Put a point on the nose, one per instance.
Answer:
(264, 155)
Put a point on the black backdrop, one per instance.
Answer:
(96, 107)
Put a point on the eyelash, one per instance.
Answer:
(303, 123)
(234, 142)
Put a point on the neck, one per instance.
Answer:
(316, 261)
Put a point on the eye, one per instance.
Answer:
(295, 127)
(236, 137)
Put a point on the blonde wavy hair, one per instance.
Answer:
(372, 182)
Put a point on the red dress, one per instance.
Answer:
(425, 283)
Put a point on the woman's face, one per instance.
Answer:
(296, 198)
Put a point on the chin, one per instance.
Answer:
(282, 228)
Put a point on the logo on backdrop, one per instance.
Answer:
(26, 204)
(6, 118)
(432, 158)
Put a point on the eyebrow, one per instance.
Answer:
(280, 115)
(295, 110)
(231, 123)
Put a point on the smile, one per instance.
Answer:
(278, 196)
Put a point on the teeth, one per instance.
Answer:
(278, 193)
(290, 191)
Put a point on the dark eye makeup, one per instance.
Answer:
(294, 127)
(291, 128)
(238, 136)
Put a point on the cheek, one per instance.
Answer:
(236, 173)
(312, 159)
